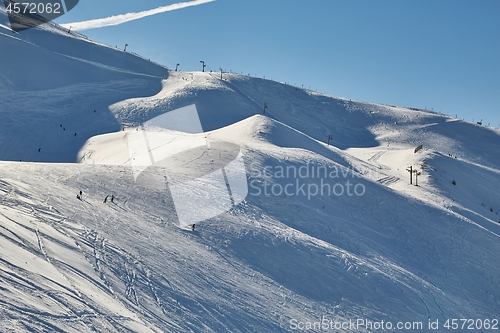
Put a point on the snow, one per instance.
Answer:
(259, 259)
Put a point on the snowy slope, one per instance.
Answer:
(382, 256)
(395, 253)
(49, 78)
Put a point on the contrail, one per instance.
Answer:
(119, 19)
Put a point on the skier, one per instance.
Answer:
(112, 198)
(78, 197)
(81, 193)
(106, 199)
(192, 227)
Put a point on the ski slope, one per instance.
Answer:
(396, 253)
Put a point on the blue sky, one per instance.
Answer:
(439, 55)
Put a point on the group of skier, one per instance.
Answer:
(80, 197)
(64, 128)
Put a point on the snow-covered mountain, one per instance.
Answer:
(327, 233)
